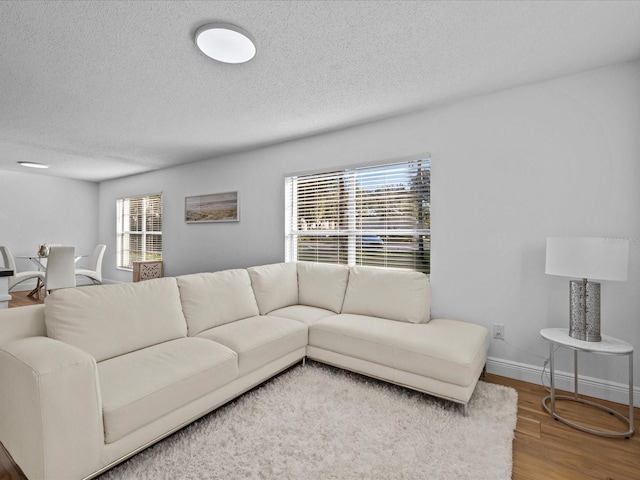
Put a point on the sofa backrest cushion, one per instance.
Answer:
(110, 320)
(401, 295)
(213, 299)
(322, 285)
(274, 286)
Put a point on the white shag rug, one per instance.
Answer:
(318, 422)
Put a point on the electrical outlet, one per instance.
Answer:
(498, 331)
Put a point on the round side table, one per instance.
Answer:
(559, 337)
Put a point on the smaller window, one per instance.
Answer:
(139, 229)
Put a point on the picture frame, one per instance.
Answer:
(212, 208)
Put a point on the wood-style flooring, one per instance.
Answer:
(543, 449)
(20, 299)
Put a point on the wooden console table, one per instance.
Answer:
(145, 270)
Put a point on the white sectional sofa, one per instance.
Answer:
(99, 373)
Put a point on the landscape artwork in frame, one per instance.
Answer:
(215, 207)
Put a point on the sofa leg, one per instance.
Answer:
(304, 361)
(465, 409)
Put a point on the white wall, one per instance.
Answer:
(509, 169)
(553, 159)
(37, 209)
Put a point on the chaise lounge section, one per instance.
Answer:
(99, 373)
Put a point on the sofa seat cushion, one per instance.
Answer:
(110, 320)
(302, 313)
(213, 299)
(259, 340)
(394, 294)
(446, 350)
(143, 386)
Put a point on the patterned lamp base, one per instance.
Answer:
(584, 311)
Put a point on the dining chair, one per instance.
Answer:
(17, 277)
(94, 272)
(61, 269)
(43, 259)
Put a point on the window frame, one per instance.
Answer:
(352, 220)
(122, 234)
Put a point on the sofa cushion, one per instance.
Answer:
(367, 338)
(322, 285)
(302, 313)
(274, 286)
(259, 340)
(111, 320)
(401, 295)
(213, 299)
(423, 349)
(443, 349)
(143, 386)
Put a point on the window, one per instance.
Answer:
(139, 229)
(378, 215)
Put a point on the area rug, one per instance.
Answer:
(319, 422)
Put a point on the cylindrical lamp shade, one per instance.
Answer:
(597, 258)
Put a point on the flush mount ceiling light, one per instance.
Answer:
(225, 43)
(33, 165)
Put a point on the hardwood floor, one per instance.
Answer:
(542, 448)
(20, 299)
(8, 469)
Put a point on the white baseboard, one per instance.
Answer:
(593, 387)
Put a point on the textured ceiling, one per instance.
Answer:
(100, 90)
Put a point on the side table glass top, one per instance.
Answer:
(610, 345)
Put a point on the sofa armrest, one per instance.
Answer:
(22, 322)
(50, 408)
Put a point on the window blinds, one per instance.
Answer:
(378, 215)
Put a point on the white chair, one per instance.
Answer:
(43, 260)
(94, 272)
(61, 269)
(18, 277)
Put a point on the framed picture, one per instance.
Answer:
(215, 207)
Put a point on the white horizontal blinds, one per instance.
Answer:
(139, 229)
(393, 215)
(377, 215)
(153, 227)
(123, 206)
(319, 223)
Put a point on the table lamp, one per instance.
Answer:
(596, 258)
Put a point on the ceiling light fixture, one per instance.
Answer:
(33, 165)
(225, 43)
